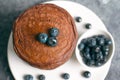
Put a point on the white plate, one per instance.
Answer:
(19, 68)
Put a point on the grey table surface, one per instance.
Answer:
(109, 14)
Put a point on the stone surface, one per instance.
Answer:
(109, 13)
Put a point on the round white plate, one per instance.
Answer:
(19, 68)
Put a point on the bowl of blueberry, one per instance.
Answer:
(95, 48)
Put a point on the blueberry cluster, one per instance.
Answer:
(51, 40)
(95, 50)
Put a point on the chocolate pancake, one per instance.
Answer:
(39, 19)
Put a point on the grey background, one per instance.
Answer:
(109, 13)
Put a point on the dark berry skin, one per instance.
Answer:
(105, 53)
(87, 55)
(81, 46)
(65, 76)
(78, 19)
(88, 26)
(91, 42)
(108, 42)
(28, 77)
(105, 48)
(89, 62)
(52, 41)
(42, 37)
(93, 56)
(86, 49)
(95, 37)
(97, 49)
(87, 74)
(42, 77)
(104, 60)
(84, 41)
(101, 36)
(97, 63)
(53, 32)
(100, 41)
(99, 55)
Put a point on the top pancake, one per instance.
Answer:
(39, 19)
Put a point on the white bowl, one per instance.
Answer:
(91, 33)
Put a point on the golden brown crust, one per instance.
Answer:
(39, 19)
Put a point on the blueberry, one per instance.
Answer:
(87, 55)
(86, 49)
(108, 42)
(99, 56)
(97, 63)
(42, 77)
(104, 60)
(52, 41)
(86, 74)
(95, 36)
(84, 41)
(65, 76)
(105, 48)
(28, 77)
(53, 32)
(105, 53)
(81, 46)
(88, 26)
(89, 62)
(96, 49)
(92, 62)
(81, 53)
(101, 36)
(100, 41)
(93, 56)
(78, 19)
(92, 42)
(42, 37)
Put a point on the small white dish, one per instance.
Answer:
(90, 33)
